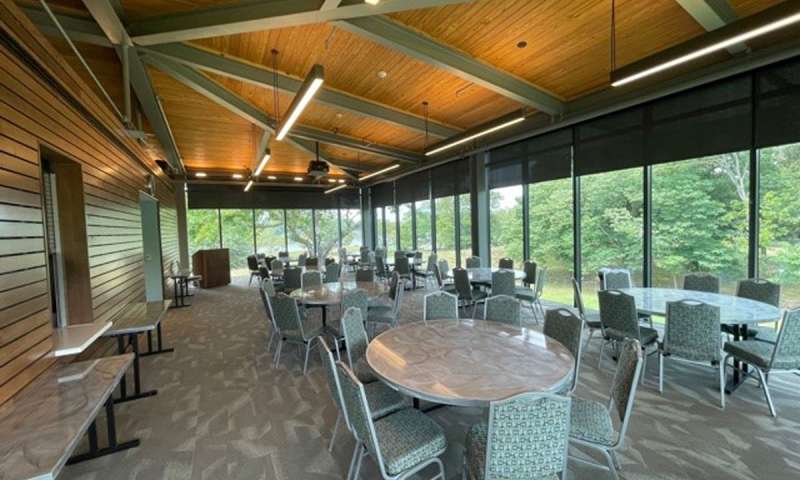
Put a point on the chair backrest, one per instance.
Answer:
(286, 313)
(505, 262)
(618, 314)
(692, 331)
(418, 257)
(626, 381)
(277, 267)
(355, 335)
(263, 271)
(312, 262)
(365, 275)
(503, 309)
(760, 290)
(283, 255)
(401, 265)
(432, 258)
(332, 272)
(541, 276)
(529, 267)
(380, 266)
(252, 262)
(311, 279)
(786, 355)
(301, 260)
(615, 278)
(329, 260)
(364, 255)
(380, 253)
(563, 325)
(357, 298)
(292, 278)
(701, 282)
(440, 306)
(528, 436)
(444, 268)
(397, 302)
(503, 282)
(268, 287)
(332, 376)
(399, 254)
(394, 281)
(461, 281)
(267, 307)
(576, 288)
(474, 262)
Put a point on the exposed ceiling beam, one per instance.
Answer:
(711, 15)
(80, 30)
(106, 17)
(329, 4)
(230, 67)
(261, 149)
(397, 36)
(260, 16)
(204, 85)
(222, 96)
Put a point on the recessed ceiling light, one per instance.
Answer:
(372, 2)
(298, 179)
(382, 74)
(341, 180)
(272, 177)
(201, 174)
(339, 115)
(522, 44)
(237, 176)
(331, 180)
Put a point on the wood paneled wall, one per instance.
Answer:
(45, 105)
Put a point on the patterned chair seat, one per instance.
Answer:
(379, 307)
(364, 372)
(380, 303)
(312, 327)
(590, 421)
(380, 315)
(476, 452)
(764, 334)
(383, 400)
(759, 353)
(592, 319)
(525, 293)
(407, 438)
(648, 336)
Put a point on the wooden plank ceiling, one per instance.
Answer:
(566, 53)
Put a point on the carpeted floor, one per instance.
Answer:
(222, 412)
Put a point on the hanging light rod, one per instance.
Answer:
(775, 18)
(263, 162)
(308, 89)
(383, 170)
(248, 186)
(501, 123)
(340, 187)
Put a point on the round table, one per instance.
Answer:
(331, 294)
(469, 363)
(483, 275)
(732, 310)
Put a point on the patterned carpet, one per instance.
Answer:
(222, 412)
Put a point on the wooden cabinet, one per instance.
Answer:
(214, 266)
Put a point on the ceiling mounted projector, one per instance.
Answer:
(318, 169)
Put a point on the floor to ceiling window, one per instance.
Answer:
(611, 226)
(700, 219)
(779, 233)
(203, 227)
(424, 239)
(270, 232)
(300, 232)
(352, 234)
(237, 237)
(465, 230)
(327, 229)
(380, 228)
(551, 236)
(446, 230)
(406, 227)
(505, 214)
(391, 232)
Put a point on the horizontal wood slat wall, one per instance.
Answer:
(36, 115)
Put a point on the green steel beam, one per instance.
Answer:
(711, 15)
(229, 67)
(82, 30)
(260, 16)
(397, 36)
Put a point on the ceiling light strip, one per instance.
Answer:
(474, 136)
(248, 186)
(308, 89)
(263, 162)
(334, 189)
(384, 170)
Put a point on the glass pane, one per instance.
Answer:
(465, 232)
(270, 237)
(380, 232)
(505, 217)
(445, 230)
(700, 219)
(406, 227)
(237, 237)
(391, 232)
(203, 226)
(327, 233)
(779, 249)
(300, 233)
(550, 211)
(611, 227)
(424, 240)
(351, 229)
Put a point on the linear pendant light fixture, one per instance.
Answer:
(263, 162)
(248, 186)
(500, 124)
(383, 170)
(775, 18)
(340, 187)
(308, 89)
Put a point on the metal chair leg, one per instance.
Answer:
(660, 372)
(278, 353)
(611, 467)
(351, 469)
(602, 349)
(722, 385)
(764, 385)
(335, 431)
(644, 368)
(305, 363)
(614, 457)
(361, 451)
